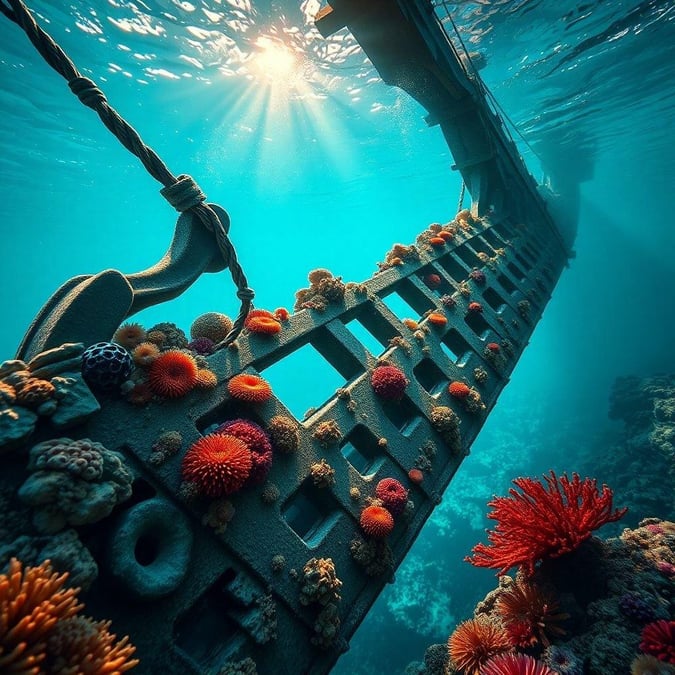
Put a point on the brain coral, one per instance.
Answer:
(212, 325)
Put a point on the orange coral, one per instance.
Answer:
(249, 388)
(281, 314)
(32, 600)
(459, 389)
(173, 374)
(206, 379)
(437, 241)
(437, 319)
(411, 323)
(416, 476)
(444, 234)
(376, 522)
(474, 642)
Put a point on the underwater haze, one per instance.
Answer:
(320, 164)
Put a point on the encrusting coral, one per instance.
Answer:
(284, 433)
(73, 483)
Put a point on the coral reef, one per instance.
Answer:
(446, 422)
(324, 290)
(167, 335)
(73, 483)
(320, 586)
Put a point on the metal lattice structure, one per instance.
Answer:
(221, 610)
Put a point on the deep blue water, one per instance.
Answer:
(321, 165)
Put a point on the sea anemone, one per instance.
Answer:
(173, 374)
(432, 280)
(416, 476)
(218, 464)
(376, 521)
(249, 388)
(658, 639)
(257, 441)
(212, 325)
(459, 389)
(392, 494)
(529, 614)
(145, 354)
(262, 322)
(476, 641)
(129, 335)
(437, 319)
(388, 382)
(515, 664)
(475, 307)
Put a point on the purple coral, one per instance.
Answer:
(477, 276)
(202, 346)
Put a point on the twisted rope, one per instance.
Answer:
(461, 197)
(181, 192)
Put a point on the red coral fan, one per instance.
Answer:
(416, 476)
(432, 280)
(658, 639)
(257, 441)
(218, 464)
(515, 664)
(389, 382)
(529, 614)
(545, 521)
(263, 322)
(392, 494)
(493, 347)
(173, 374)
(437, 319)
(376, 522)
(475, 307)
(474, 642)
(249, 388)
(459, 389)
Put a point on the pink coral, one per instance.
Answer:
(392, 495)
(257, 441)
(388, 382)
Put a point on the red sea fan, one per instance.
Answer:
(658, 639)
(543, 521)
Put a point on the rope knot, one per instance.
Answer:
(87, 91)
(183, 194)
(246, 293)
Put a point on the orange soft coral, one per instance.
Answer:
(263, 322)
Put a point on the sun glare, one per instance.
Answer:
(275, 61)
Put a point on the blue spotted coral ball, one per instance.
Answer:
(105, 365)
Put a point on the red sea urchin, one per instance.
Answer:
(249, 388)
(376, 522)
(388, 382)
(218, 464)
(658, 639)
(173, 374)
(392, 494)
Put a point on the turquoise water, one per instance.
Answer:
(321, 165)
